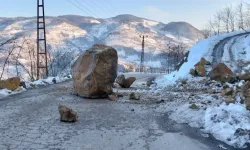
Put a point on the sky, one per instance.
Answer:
(196, 12)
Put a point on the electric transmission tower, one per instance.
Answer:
(42, 60)
(142, 53)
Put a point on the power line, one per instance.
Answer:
(97, 4)
(112, 7)
(86, 8)
(79, 7)
(89, 4)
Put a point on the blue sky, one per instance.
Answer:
(196, 12)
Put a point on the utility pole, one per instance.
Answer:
(142, 53)
(42, 60)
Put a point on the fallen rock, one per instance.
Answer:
(134, 96)
(120, 80)
(247, 101)
(149, 83)
(211, 91)
(193, 72)
(67, 114)
(23, 84)
(222, 73)
(10, 84)
(95, 71)
(230, 100)
(123, 82)
(193, 106)
(245, 77)
(241, 132)
(246, 94)
(184, 81)
(129, 82)
(246, 89)
(227, 92)
(200, 69)
(113, 97)
(54, 80)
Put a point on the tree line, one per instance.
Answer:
(18, 57)
(229, 19)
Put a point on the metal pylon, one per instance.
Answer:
(42, 60)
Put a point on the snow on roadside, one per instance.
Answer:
(6, 92)
(223, 122)
(47, 81)
(34, 84)
(202, 49)
(229, 123)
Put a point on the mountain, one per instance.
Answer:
(74, 34)
(183, 29)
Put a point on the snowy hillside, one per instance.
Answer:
(233, 49)
(123, 32)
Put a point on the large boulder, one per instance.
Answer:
(123, 82)
(67, 114)
(95, 71)
(200, 68)
(222, 73)
(10, 84)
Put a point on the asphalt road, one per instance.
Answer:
(30, 120)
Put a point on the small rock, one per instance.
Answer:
(229, 100)
(227, 92)
(184, 81)
(211, 91)
(129, 82)
(134, 96)
(113, 97)
(247, 101)
(67, 114)
(149, 83)
(23, 84)
(54, 80)
(161, 101)
(241, 132)
(225, 86)
(193, 72)
(245, 77)
(125, 83)
(120, 80)
(246, 89)
(32, 85)
(193, 106)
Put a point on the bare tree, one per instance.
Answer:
(240, 16)
(217, 22)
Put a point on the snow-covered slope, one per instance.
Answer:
(235, 49)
